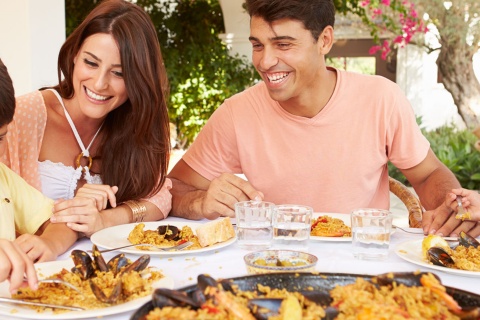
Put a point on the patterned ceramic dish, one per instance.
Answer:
(271, 261)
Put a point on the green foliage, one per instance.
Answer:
(76, 11)
(201, 72)
(455, 148)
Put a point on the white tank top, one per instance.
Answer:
(60, 181)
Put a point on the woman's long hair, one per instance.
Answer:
(135, 148)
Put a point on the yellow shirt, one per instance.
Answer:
(23, 209)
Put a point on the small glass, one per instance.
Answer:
(291, 227)
(254, 224)
(371, 230)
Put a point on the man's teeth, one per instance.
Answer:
(95, 96)
(277, 77)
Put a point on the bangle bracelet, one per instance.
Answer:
(138, 210)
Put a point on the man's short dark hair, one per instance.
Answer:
(314, 14)
(7, 96)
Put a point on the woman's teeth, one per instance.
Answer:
(95, 96)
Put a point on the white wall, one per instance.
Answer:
(31, 34)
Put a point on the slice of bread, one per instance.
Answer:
(215, 231)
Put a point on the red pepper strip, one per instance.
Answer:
(210, 309)
(181, 241)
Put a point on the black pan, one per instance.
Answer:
(321, 283)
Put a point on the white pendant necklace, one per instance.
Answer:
(84, 153)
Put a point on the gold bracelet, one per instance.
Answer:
(138, 210)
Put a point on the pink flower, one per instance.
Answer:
(386, 2)
(365, 3)
(374, 49)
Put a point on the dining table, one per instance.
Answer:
(227, 262)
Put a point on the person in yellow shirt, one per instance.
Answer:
(26, 234)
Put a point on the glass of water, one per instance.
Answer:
(371, 230)
(291, 227)
(254, 224)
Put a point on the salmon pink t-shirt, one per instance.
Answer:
(334, 162)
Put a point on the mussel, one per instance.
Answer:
(439, 257)
(85, 267)
(467, 240)
(169, 232)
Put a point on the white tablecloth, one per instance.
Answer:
(334, 257)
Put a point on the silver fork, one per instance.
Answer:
(419, 231)
(177, 247)
(59, 281)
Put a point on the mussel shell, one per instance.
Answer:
(204, 281)
(264, 308)
(117, 263)
(467, 240)
(83, 264)
(100, 295)
(408, 279)
(139, 264)
(439, 257)
(169, 232)
(163, 297)
(98, 259)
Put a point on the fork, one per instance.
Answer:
(461, 214)
(419, 231)
(177, 247)
(59, 281)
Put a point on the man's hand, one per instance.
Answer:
(442, 221)
(222, 194)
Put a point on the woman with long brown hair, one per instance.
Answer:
(102, 133)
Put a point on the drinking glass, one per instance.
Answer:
(291, 227)
(254, 224)
(371, 230)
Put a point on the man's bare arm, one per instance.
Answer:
(194, 197)
(432, 181)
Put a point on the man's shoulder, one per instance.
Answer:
(365, 79)
(258, 90)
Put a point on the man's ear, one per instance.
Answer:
(325, 40)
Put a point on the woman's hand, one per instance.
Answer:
(14, 264)
(102, 193)
(83, 213)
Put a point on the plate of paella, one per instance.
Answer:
(334, 227)
(137, 288)
(166, 234)
(313, 296)
(412, 252)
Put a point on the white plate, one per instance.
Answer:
(411, 251)
(48, 268)
(117, 236)
(345, 217)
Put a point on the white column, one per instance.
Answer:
(237, 28)
(31, 34)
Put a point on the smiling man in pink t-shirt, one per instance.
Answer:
(309, 134)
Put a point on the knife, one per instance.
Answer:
(38, 304)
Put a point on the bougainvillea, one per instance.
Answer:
(393, 23)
